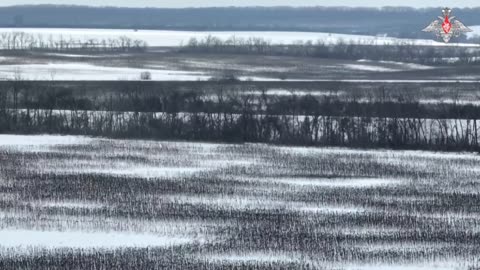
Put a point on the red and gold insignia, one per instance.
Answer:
(447, 26)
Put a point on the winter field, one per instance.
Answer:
(159, 38)
(80, 71)
(55, 57)
(75, 67)
(173, 66)
(84, 203)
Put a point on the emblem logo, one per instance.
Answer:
(447, 26)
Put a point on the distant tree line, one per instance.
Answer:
(15, 41)
(396, 22)
(240, 116)
(342, 49)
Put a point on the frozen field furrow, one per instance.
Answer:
(231, 205)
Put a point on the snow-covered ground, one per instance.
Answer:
(437, 265)
(76, 71)
(67, 204)
(368, 68)
(254, 203)
(269, 257)
(22, 239)
(85, 71)
(476, 31)
(336, 183)
(396, 66)
(367, 198)
(177, 38)
(23, 141)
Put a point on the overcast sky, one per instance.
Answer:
(209, 3)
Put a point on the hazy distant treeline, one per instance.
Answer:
(396, 22)
(342, 49)
(25, 41)
(240, 116)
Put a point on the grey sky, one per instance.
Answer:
(206, 3)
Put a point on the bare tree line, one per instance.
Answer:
(317, 130)
(14, 41)
(404, 51)
(239, 117)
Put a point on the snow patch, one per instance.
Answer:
(334, 183)
(147, 172)
(85, 71)
(286, 92)
(68, 204)
(398, 65)
(437, 265)
(253, 203)
(369, 68)
(41, 140)
(268, 257)
(85, 240)
(66, 55)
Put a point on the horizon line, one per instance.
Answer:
(233, 6)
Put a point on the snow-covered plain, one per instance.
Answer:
(23, 141)
(72, 67)
(129, 171)
(296, 197)
(76, 71)
(67, 205)
(24, 239)
(335, 183)
(396, 66)
(243, 203)
(256, 257)
(177, 38)
(85, 71)
(80, 71)
(368, 68)
(435, 265)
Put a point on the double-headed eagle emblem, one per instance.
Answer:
(447, 26)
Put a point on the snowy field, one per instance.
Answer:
(66, 67)
(167, 65)
(89, 72)
(70, 69)
(177, 38)
(86, 203)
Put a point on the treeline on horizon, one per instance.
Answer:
(19, 41)
(244, 115)
(396, 22)
(401, 51)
